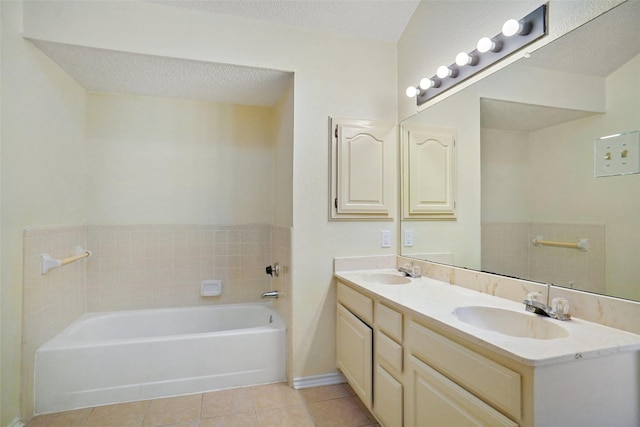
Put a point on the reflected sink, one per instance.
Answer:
(386, 279)
(512, 323)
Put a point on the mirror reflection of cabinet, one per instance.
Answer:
(428, 162)
(362, 169)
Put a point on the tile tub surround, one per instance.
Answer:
(507, 248)
(614, 312)
(139, 266)
(155, 266)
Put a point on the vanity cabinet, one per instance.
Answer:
(408, 375)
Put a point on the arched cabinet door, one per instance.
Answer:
(362, 169)
(428, 173)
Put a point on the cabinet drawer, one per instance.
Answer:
(360, 305)
(388, 351)
(485, 378)
(389, 321)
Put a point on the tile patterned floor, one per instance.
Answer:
(271, 405)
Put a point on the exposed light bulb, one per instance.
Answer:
(463, 58)
(412, 91)
(443, 72)
(486, 44)
(429, 83)
(511, 28)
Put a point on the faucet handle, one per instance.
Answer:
(273, 270)
(560, 306)
(534, 296)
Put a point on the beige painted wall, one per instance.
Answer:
(42, 168)
(157, 160)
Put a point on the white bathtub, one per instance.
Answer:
(105, 358)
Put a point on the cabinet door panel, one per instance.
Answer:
(496, 384)
(388, 402)
(428, 185)
(436, 401)
(355, 352)
(363, 169)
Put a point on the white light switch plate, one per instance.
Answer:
(617, 154)
(408, 238)
(385, 239)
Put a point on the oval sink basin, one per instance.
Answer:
(386, 279)
(512, 323)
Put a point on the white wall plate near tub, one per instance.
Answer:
(617, 154)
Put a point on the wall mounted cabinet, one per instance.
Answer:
(428, 173)
(362, 169)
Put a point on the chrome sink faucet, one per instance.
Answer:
(559, 308)
(410, 270)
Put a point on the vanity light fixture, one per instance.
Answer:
(515, 35)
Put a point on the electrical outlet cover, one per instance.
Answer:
(617, 154)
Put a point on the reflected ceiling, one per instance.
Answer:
(514, 116)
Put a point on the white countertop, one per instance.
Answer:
(435, 301)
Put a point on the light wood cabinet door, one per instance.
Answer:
(436, 401)
(428, 173)
(388, 398)
(355, 353)
(363, 169)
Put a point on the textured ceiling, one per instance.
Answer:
(595, 50)
(374, 19)
(100, 70)
(515, 116)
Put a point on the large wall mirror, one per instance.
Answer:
(525, 155)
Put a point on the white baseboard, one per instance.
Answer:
(318, 380)
(16, 423)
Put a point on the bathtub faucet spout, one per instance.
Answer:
(271, 294)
